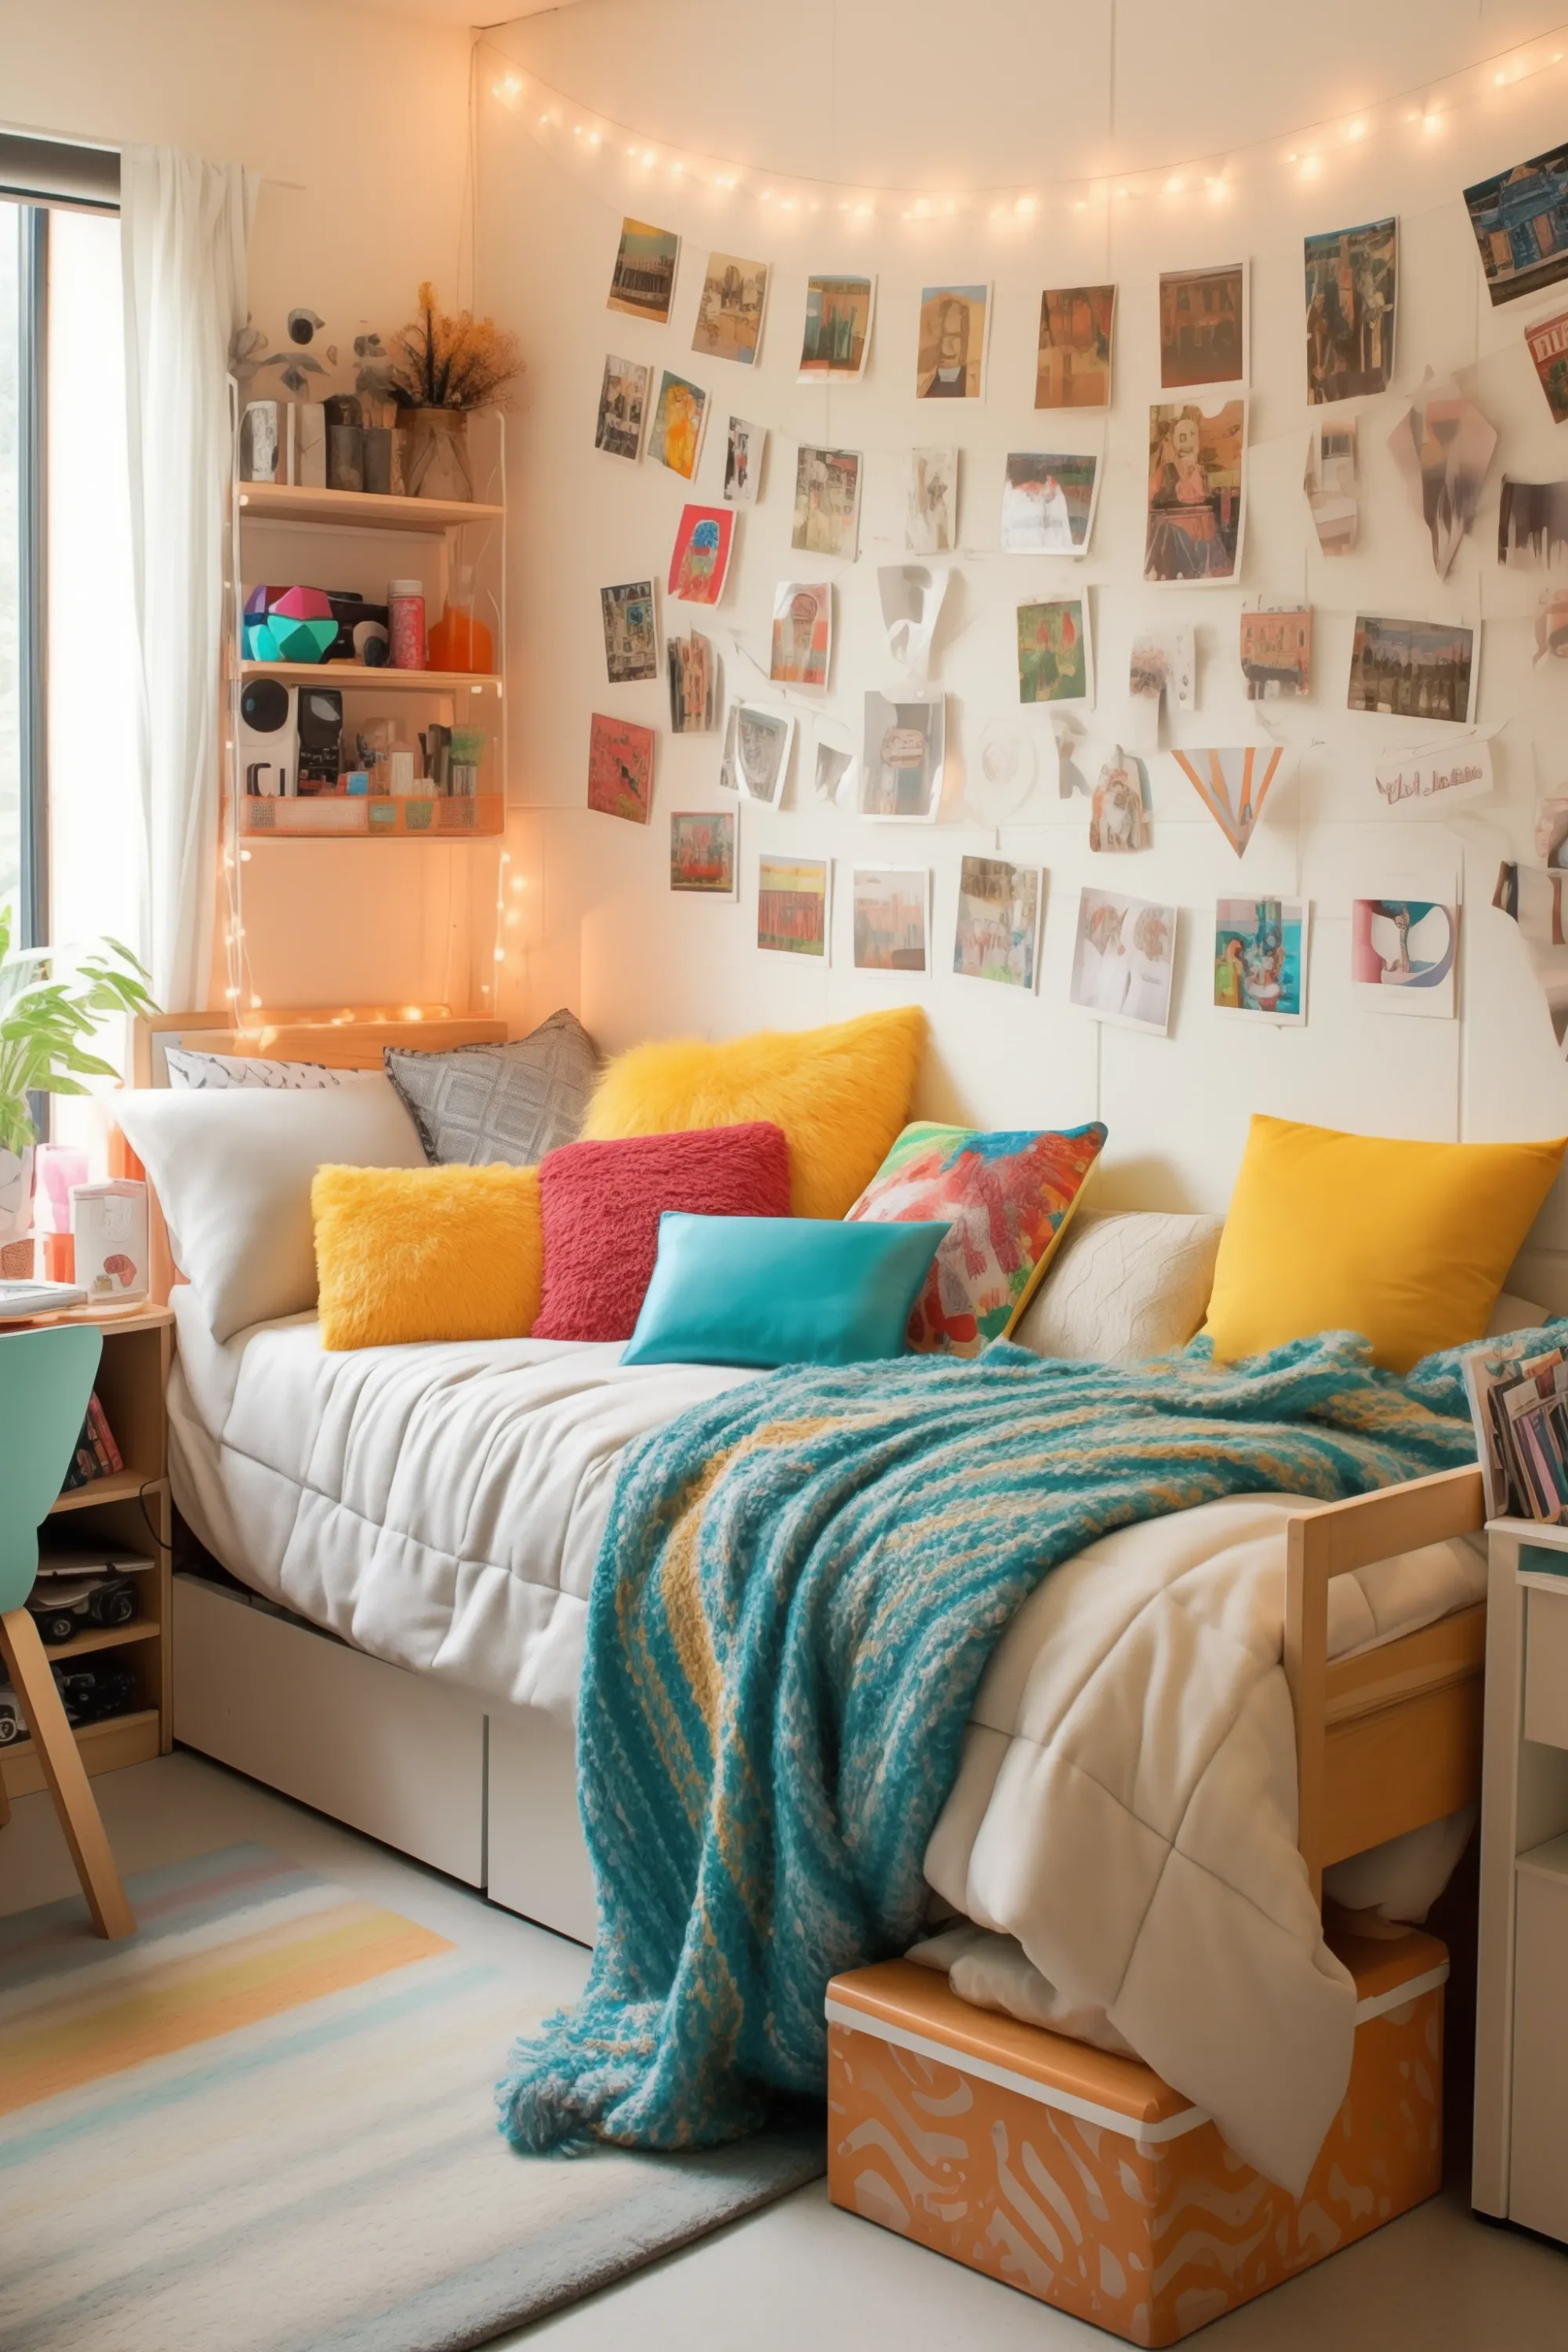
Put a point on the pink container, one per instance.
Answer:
(405, 624)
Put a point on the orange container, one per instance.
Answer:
(1086, 2181)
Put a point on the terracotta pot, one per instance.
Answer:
(433, 447)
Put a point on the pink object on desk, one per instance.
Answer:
(59, 1167)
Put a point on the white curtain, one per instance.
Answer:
(185, 228)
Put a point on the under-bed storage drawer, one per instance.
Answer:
(388, 1752)
(538, 1861)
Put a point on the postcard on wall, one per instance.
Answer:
(1532, 525)
(675, 437)
(1330, 486)
(1548, 347)
(912, 597)
(757, 743)
(837, 336)
(1123, 960)
(1277, 653)
(1054, 652)
(1404, 951)
(1443, 447)
(1412, 669)
(1072, 363)
(901, 764)
(1261, 958)
(743, 449)
(1047, 503)
(623, 408)
(1203, 327)
(1521, 221)
(1234, 785)
(730, 309)
(1119, 815)
(931, 524)
(793, 905)
(997, 933)
(827, 502)
(892, 918)
(1353, 277)
(1435, 776)
(802, 634)
(620, 768)
(1197, 460)
(643, 282)
(702, 853)
(953, 324)
(1162, 668)
(700, 556)
(1534, 898)
(832, 761)
(631, 632)
(693, 665)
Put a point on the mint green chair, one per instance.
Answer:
(46, 1381)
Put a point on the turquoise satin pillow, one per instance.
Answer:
(761, 1291)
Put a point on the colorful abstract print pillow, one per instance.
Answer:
(1008, 1197)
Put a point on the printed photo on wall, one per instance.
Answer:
(1277, 653)
(803, 635)
(620, 768)
(931, 524)
(700, 556)
(1119, 812)
(1053, 651)
(1261, 958)
(643, 283)
(1202, 326)
(837, 334)
(757, 745)
(1123, 958)
(901, 764)
(1443, 447)
(623, 408)
(1330, 482)
(1162, 668)
(827, 502)
(675, 437)
(730, 309)
(702, 853)
(997, 935)
(1532, 525)
(1072, 365)
(1412, 669)
(1548, 346)
(951, 361)
(631, 632)
(1196, 458)
(793, 905)
(1352, 282)
(1403, 955)
(743, 449)
(892, 918)
(1520, 223)
(1047, 503)
(693, 665)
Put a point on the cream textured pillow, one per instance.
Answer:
(1121, 1288)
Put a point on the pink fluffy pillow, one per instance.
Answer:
(601, 1204)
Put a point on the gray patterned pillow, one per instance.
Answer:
(474, 1105)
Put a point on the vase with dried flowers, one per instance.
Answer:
(444, 365)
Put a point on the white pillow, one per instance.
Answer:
(232, 1169)
(1122, 1288)
(189, 1070)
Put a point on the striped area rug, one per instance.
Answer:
(265, 2124)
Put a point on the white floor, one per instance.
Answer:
(801, 2276)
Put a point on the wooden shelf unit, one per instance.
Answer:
(355, 678)
(361, 510)
(338, 816)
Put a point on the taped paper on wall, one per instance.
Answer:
(1443, 447)
(1534, 900)
(1435, 776)
(1330, 486)
(912, 602)
(1233, 785)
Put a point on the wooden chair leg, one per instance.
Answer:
(67, 1775)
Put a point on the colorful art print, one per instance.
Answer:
(1196, 468)
(693, 667)
(903, 757)
(702, 853)
(951, 361)
(623, 408)
(827, 502)
(1520, 223)
(1277, 653)
(743, 449)
(1118, 816)
(1443, 447)
(757, 745)
(1412, 669)
(1047, 503)
(1072, 366)
(643, 282)
(931, 524)
(1261, 958)
(837, 334)
(802, 634)
(1233, 785)
(892, 918)
(675, 438)
(1202, 326)
(997, 934)
(620, 768)
(1548, 348)
(1352, 278)
(1053, 651)
(700, 557)
(1403, 955)
(1123, 960)
(1330, 482)
(631, 632)
(791, 904)
(730, 309)
(1533, 524)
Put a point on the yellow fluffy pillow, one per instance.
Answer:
(1406, 1242)
(841, 1095)
(410, 1253)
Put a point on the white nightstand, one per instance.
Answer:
(1520, 2163)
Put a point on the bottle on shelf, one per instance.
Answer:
(458, 641)
(405, 624)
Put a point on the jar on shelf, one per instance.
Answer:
(405, 624)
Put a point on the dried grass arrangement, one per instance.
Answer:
(449, 359)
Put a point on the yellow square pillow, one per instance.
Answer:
(1406, 1242)
(411, 1254)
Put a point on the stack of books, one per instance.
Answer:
(1518, 1403)
(97, 1456)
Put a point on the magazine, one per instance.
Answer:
(1519, 1405)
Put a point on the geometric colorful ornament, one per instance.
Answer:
(288, 625)
(1233, 785)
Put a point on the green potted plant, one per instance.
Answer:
(51, 1001)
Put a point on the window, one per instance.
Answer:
(19, 667)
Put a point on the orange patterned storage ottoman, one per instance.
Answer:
(1085, 2181)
